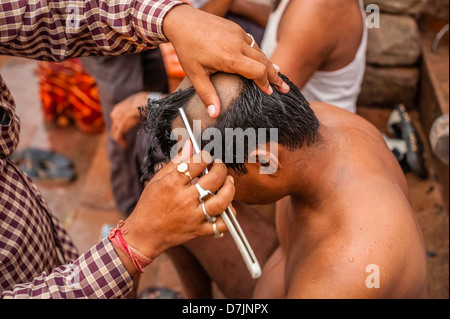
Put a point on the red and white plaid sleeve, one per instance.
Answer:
(61, 29)
(97, 274)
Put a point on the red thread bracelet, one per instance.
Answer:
(140, 261)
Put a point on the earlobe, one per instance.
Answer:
(266, 161)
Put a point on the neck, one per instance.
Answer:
(310, 170)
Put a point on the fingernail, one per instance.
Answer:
(211, 110)
(218, 160)
(270, 90)
(285, 87)
(276, 67)
(231, 179)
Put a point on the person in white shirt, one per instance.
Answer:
(321, 46)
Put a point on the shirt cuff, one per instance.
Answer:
(103, 274)
(148, 19)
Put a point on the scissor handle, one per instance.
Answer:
(228, 217)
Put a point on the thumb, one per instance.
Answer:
(207, 93)
(186, 152)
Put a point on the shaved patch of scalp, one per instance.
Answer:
(246, 107)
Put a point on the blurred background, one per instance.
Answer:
(407, 63)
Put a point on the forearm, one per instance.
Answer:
(61, 29)
(256, 12)
(99, 273)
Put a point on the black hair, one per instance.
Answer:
(289, 113)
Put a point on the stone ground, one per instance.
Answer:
(86, 204)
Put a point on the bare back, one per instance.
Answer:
(362, 240)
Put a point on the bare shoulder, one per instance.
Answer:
(337, 118)
(362, 145)
(323, 109)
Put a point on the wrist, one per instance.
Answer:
(142, 239)
(173, 21)
(126, 261)
(132, 258)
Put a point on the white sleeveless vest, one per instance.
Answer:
(340, 87)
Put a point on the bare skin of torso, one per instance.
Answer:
(364, 218)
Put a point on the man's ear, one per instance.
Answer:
(266, 158)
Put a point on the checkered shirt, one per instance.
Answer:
(37, 257)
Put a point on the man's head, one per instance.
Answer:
(253, 136)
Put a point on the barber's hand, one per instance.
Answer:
(125, 115)
(169, 212)
(206, 43)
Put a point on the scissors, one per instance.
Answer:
(228, 217)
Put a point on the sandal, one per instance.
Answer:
(45, 166)
(399, 149)
(400, 125)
